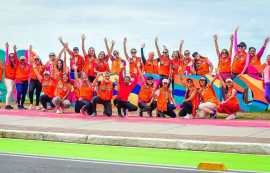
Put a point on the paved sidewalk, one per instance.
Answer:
(179, 128)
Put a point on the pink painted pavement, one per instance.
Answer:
(146, 119)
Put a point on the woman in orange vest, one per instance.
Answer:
(53, 59)
(61, 92)
(48, 86)
(151, 64)
(187, 61)
(231, 103)
(104, 93)
(86, 93)
(164, 98)
(133, 61)
(11, 63)
(22, 75)
(76, 88)
(146, 95)
(191, 102)
(75, 58)
(35, 84)
(208, 98)
(115, 58)
(266, 79)
(224, 62)
(89, 61)
(176, 63)
(201, 65)
(101, 64)
(60, 64)
(255, 59)
(164, 64)
(241, 57)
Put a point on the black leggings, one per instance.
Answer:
(150, 108)
(77, 106)
(34, 84)
(86, 106)
(126, 105)
(186, 108)
(91, 78)
(107, 105)
(44, 99)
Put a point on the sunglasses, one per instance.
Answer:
(115, 54)
(189, 81)
(165, 52)
(12, 57)
(36, 59)
(149, 79)
(91, 51)
(201, 80)
(75, 50)
(187, 53)
(51, 55)
(165, 83)
(241, 46)
(102, 54)
(133, 52)
(224, 53)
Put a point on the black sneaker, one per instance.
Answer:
(23, 108)
(161, 114)
(140, 113)
(120, 116)
(213, 115)
(19, 107)
(124, 111)
(149, 113)
(7, 107)
(94, 114)
(10, 107)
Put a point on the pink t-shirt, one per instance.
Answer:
(266, 74)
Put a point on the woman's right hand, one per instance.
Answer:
(83, 37)
(236, 29)
(215, 37)
(143, 45)
(7, 45)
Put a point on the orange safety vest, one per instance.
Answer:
(1, 70)
(79, 62)
(175, 67)
(132, 65)
(61, 89)
(163, 99)
(224, 65)
(105, 90)
(86, 91)
(145, 93)
(195, 101)
(164, 67)
(184, 65)
(103, 68)
(40, 69)
(89, 62)
(22, 72)
(116, 65)
(208, 95)
(151, 66)
(10, 73)
(48, 87)
(255, 61)
(202, 68)
(234, 100)
(239, 62)
(76, 90)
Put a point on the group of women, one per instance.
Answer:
(54, 79)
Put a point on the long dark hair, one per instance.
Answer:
(94, 52)
(66, 75)
(177, 54)
(11, 63)
(195, 61)
(204, 80)
(104, 59)
(227, 89)
(62, 62)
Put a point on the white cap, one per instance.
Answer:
(165, 81)
(229, 80)
(46, 72)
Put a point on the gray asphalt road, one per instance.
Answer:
(23, 163)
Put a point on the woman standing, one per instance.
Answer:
(231, 104)
(191, 102)
(201, 65)
(187, 61)
(22, 75)
(176, 64)
(266, 77)
(11, 63)
(89, 61)
(208, 97)
(151, 64)
(102, 64)
(34, 82)
(224, 62)
(241, 57)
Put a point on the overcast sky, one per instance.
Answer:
(40, 23)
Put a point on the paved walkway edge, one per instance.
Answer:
(192, 145)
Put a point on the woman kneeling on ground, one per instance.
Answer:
(191, 102)
(208, 97)
(48, 86)
(231, 104)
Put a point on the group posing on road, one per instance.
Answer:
(55, 81)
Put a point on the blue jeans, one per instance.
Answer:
(21, 92)
(170, 112)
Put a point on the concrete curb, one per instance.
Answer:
(192, 145)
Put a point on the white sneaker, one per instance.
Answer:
(31, 107)
(230, 117)
(58, 111)
(188, 116)
(37, 108)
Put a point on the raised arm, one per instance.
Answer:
(121, 73)
(235, 40)
(64, 44)
(260, 53)
(231, 45)
(96, 79)
(246, 64)
(125, 49)
(117, 87)
(140, 73)
(216, 45)
(142, 54)
(7, 55)
(159, 54)
(75, 67)
(220, 78)
(83, 48)
(213, 80)
(65, 58)
(180, 49)
(52, 71)
(193, 94)
(181, 78)
(30, 61)
(15, 54)
(56, 74)
(211, 68)
(37, 73)
(107, 47)
(60, 53)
